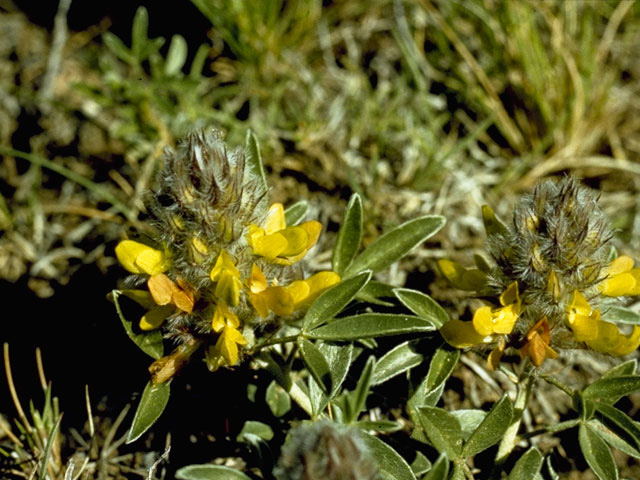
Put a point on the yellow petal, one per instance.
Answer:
(270, 246)
(228, 288)
(142, 297)
(223, 263)
(317, 283)
(461, 334)
(483, 321)
(628, 344)
(154, 317)
(257, 282)
(579, 305)
(313, 229)
(227, 344)
(139, 258)
(462, 278)
(297, 238)
(493, 360)
(618, 285)
(259, 303)
(279, 300)
(504, 319)
(299, 291)
(510, 295)
(491, 223)
(608, 339)
(622, 264)
(584, 328)
(275, 219)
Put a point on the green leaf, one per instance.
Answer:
(252, 430)
(176, 56)
(150, 342)
(209, 472)
(358, 398)
(614, 439)
(621, 420)
(597, 453)
(469, 420)
(53, 434)
(349, 236)
(422, 305)
(374, 292)
(277, 399)
(295, 213)
(442, 364)
(369, 325)
(254, 163)
(152, 404)
(139, 35)
(396, 361)
(339, 358)
(421, 464)
(622, 315)
(390, 462)
(612, 389)
(440, 469)
(492, 428)
(627, 368)
(527, 466)
(331, 302)
(552, 472)
(442, 429)
(317, 364)
(395, 244)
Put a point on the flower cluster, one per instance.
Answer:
(220, 261)
(553, 277)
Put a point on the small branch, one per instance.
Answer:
(557, 384)
(551, 429)
(275, 341)
(60, 34)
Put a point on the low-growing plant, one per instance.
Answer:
(221, 276)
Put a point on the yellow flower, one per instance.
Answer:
(501, 320)
(140, 258)
(228, 277)
(226, 323)
(602, 336)
(462, 278)
(622, 278)
(461, 334)
(284, 300)
(281, 244)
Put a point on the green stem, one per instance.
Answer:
(552, 428)
(558, 384)
(508, 443)
(275, 341)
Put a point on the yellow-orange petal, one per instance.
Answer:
(483, 321)
(161, 288)
(461, 334)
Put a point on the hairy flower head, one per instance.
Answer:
(551, 281)
(221, 262)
